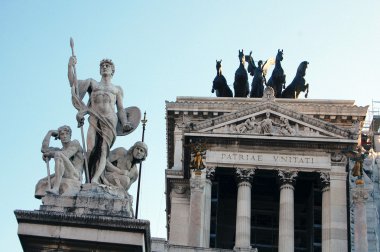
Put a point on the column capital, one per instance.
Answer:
(210, 173)
(359, 194)
(197, 183)
(179, 190)
(244, 174)
(325, 181)
(287, 177)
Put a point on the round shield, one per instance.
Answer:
(133, 116)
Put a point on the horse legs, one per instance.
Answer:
(307, 88)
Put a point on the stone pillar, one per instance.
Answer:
(200, 209)
(286, 220)
(179, 214)
(359, 196)
(243, 211)
(325, 180)
(338, 211)
(177, 148)
(210, 173)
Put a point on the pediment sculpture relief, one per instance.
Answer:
(273, 126)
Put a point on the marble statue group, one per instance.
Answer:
(107, 119)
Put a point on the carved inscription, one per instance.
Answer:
(311, 161)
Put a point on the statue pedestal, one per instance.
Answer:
(91, 199)
(99, 218)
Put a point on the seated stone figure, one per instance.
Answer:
(121, 170)
(68, 164)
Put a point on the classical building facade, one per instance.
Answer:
(264, 173)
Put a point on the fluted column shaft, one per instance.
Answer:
(325, 179)
(243, 210)
(286, 221)
(243, 215)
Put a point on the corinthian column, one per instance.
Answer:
(325, 180)
(286, 222)
(200, 209)
(359, 196)
(243, 211)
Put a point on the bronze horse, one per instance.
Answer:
(277, 80)
(241, 85)
(298, 84)
(220, 83)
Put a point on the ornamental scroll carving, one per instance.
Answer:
(244, 175)
(180, 190)
(197, 183)
(338, 157)
(287, 177)
(325, 180)
(210, 173)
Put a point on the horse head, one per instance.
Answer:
(241, 57)
(251, 64)
(219, 67)
(279, 56)
(301, 70)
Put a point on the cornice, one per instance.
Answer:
(85, 220)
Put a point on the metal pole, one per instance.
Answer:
(143, 121)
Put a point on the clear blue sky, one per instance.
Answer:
(162, 49)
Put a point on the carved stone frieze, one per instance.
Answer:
(287, 177)
(244, 175)
(269, 125)
(288, 123)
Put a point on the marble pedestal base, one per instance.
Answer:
(97, 218)
(91, 199)
(53, 231)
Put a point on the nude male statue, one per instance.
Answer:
(103, 97)
(121, 169)
(68, 160)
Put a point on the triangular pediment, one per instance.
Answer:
(270, 119)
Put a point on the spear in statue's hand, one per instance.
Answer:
(75, 70)
(80, 106)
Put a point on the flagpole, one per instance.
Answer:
(143, 121)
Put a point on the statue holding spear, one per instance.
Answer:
(105, 122)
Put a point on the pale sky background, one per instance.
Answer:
(162, 49)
